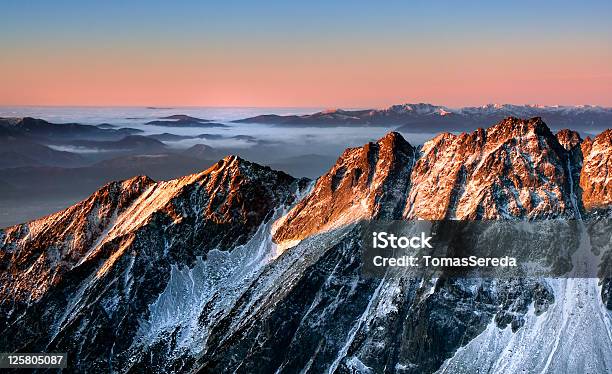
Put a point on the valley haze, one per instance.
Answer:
(99, 144)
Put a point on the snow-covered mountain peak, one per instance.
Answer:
(418, 108)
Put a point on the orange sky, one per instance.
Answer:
(446, 77)
(308, 63)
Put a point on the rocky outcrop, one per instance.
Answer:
(36, 255)
(224, 204)
(596, 173)
(516, 168)
(366, 182)
(569, 139)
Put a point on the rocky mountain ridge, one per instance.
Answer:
(366, 182)
(242, 268)
(423, 117)
(515, 169)
(120, 244)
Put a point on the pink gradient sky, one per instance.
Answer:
(307, 63)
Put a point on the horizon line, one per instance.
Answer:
(315, 107)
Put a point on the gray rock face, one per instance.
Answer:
(244, 269)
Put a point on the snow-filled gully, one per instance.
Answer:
(573, 336)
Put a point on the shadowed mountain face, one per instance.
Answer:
(245, 269)
(40, 129)
(19, 152)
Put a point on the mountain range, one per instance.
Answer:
(182, 120)
(246, 269)
(35, 128)
(424, 117)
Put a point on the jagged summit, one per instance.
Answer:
(516, 168)
(569, 139)
(216, 208)
(505, 130)
(366, 182)
(395, 141)
(518, 126)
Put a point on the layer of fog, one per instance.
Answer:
(28, 193)
(271, 143)
(288, 142)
